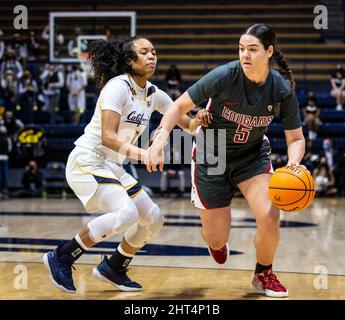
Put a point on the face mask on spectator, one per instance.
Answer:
(326, 146)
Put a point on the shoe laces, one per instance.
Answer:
(67, 270)
(124, 271)
(67, 267)
(270, 280)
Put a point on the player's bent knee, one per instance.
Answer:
(157, 216)
(270, 221)
(127, 217)
(156, 222)
(151, 215)
(113, 223)
(139, 234)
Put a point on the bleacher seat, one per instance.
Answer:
(55, 179)
(331, 115)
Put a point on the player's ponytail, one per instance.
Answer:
(284, 68)
(109, 57)
(268, 38)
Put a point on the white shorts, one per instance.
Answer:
(86, 170)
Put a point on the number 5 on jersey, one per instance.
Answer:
(242, 133)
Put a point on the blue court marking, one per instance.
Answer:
(283, 224)
(79, 214)
(148, 250)
(48, 214)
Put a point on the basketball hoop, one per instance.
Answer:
(85, 63)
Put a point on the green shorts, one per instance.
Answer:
(211, 191)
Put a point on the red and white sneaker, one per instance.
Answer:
(220, 255)
(268, 283)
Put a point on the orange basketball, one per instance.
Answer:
(291, 188)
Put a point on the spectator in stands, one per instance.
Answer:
(20, 48)
(312, 116)
(173, 81)
(33, 48)
(338, 86)
(13, 125)
(40, 116)
(5, 149)
(278, 160)
(59, 39)
(329, 152)
(76, 84)
(108, 32)
(309, 155)
(45, 33)
(28, 90)
(10, 62)
(53, 80)
(9, 86)
(173, 169)
(324, 178)
(32, 182)
(72, 45)
(339, 173)
(2, 46)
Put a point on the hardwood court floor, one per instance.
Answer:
(162, 283)
(310, 259)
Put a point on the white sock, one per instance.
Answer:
(124, 253)
(80, 242)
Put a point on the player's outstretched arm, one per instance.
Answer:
(110, 139)
(174, 114)
(188, 124)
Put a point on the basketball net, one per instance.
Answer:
(85, 64)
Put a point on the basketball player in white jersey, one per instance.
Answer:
(94, 171)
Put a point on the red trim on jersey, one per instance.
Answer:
(268, 168)
(230, 104)
(195, 183)
(194, 154)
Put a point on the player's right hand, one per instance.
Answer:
(204, 117)
(154, 156)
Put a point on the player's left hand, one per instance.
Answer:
(298, 166)
(154, 156)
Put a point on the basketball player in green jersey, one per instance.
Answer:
(244, 96)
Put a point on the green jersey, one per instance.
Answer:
(243, 108)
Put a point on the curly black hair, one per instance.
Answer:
(108, 58)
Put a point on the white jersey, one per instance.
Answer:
(135, 105)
